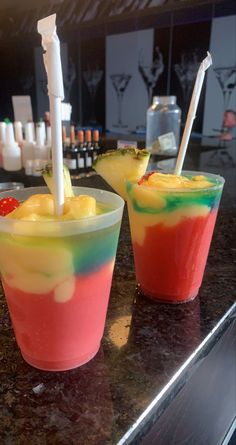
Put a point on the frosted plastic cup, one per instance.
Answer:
(57, 278)
(11, 186)
(171, 233)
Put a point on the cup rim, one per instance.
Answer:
(90, 221)
(215, 187)
(11, 185)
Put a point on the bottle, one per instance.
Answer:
(72, 136)
(18, 133)
(89, 150)
(11, 152)
(71, 152)
(40, 149)
(163, 125)
(41, 124)
(96, 147)
(29, 167)
(81, 151)
(30, 123)
(28, 145)
(37, 167)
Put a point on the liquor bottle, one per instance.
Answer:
(96, 147)
(81, 151)
(71, 152)
(89, 150)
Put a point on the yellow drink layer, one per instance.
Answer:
(168, 199)
(169, 181)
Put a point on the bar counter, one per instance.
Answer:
(164, 374)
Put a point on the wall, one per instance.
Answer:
(180, 35)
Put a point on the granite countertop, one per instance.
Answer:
(144, 344)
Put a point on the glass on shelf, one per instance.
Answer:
(186, 72)
(120, 83)
(151, 73)
(92, 78)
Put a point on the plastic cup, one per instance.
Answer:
(57, 278)
(11, 186)
(171, 233)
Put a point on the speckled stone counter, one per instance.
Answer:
(144, 345)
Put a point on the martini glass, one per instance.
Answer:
(120, 82)
(151, 73)
(186, 72)
(92, 79)
(226, 77)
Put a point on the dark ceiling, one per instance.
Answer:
(18, 18)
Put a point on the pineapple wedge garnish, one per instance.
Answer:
(48, 178)
(117, 166)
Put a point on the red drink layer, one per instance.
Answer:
(171, 235)
(169, 276)
(60, 336)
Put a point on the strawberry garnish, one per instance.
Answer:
(7, 205)
(145, 178)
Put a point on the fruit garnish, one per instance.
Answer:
(48, 178)
(77, 207)
(116, 166)
(7, 205)
(145, 178)
(41, 207)
(171, 181)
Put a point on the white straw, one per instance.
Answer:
(192, 112)
(52, 61)
(57, 154)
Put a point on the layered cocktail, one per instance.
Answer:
(172, 219)
(57, 273)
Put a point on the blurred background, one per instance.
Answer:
(118, 54)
